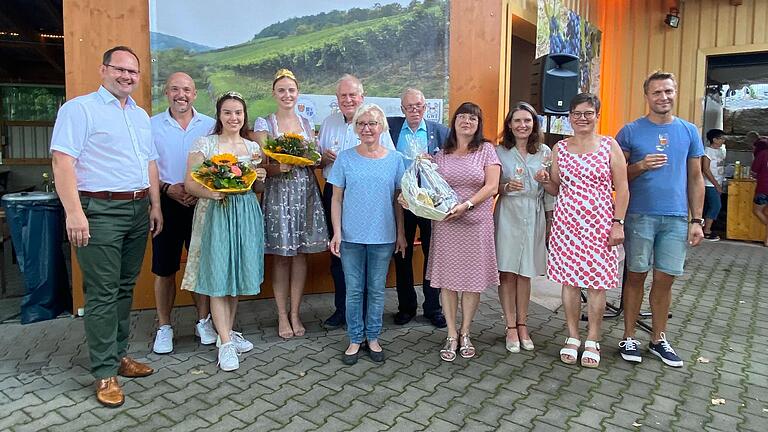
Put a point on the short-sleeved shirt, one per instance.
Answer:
(368, 211)
(112, 145)
(411, 143)
(760, 168)
(661, 191)
(716, 158)
(172, 143)
(336, 132)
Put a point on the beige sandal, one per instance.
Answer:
(448, 353)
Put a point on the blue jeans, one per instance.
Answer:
(712, 203)
(365, 267)
(658, 241)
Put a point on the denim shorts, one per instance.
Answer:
(656, 241)
(761, 199)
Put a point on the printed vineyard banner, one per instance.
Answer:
(239, 47)
(561, 30)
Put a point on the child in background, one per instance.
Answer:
(713, 168)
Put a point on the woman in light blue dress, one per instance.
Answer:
(226, 252)
(294, 220)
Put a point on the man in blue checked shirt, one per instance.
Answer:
(413, 136)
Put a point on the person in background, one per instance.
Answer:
(414, 136)
(106, 177)
(760, 173)
(713, 169)
(587, 225)
(520, 217)
(173, 132)
(462, 258)
(337, 133)
(294, 221)
(226, 252)
(367, 227)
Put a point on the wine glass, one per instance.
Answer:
(546, 162)
(335, 147)
(663, 142)
(519, 171)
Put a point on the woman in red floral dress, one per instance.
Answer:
(588, 224)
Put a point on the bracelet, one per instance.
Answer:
(164, 188)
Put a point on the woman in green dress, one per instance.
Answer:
(226, 252)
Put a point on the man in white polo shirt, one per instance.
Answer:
(173, 132)
(106, 178)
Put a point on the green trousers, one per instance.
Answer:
(110, 265)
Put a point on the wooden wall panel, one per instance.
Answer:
(641, 43)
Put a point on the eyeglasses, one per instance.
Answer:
(371, 124)
(588, 115)
(413, 107)
(467, 117)
(119, 70)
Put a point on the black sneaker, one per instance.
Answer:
(335, 321)
(403, 317)
(712, 237)
(630, 350)
(437, 319)
(664, 351)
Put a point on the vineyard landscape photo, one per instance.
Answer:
(388, 46)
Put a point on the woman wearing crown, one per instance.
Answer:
(294, 222)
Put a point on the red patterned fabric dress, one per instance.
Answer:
(579, 254)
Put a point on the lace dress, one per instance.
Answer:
(294, 220)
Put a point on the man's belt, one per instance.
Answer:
(118, 196)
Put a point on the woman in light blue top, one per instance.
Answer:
(367, 226)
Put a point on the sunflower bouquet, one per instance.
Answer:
(225, 173)
(292, 149)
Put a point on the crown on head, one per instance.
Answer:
(285, 73)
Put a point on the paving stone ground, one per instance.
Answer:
(720, 313)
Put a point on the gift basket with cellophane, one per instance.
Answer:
(426, 192)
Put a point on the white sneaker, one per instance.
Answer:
(204, 329)
(228, 360)
(242, 344)
(163, 340)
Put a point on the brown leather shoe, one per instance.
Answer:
(109, 393)
(132, 369)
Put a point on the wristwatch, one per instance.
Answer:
(697, 221)
(469, 204)
(618, 221)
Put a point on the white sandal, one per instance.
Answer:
(591, 355)
(573, 352)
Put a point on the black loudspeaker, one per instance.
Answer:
(554, 82)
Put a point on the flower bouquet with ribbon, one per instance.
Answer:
(225, 173)
(292, 149)
(428, 195)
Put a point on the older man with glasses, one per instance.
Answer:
(414, 136)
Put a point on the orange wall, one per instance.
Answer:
(636, 42)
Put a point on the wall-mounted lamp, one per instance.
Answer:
(673, 18)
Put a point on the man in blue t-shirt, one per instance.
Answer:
(665, 185)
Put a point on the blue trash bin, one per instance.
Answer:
(36, 222)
